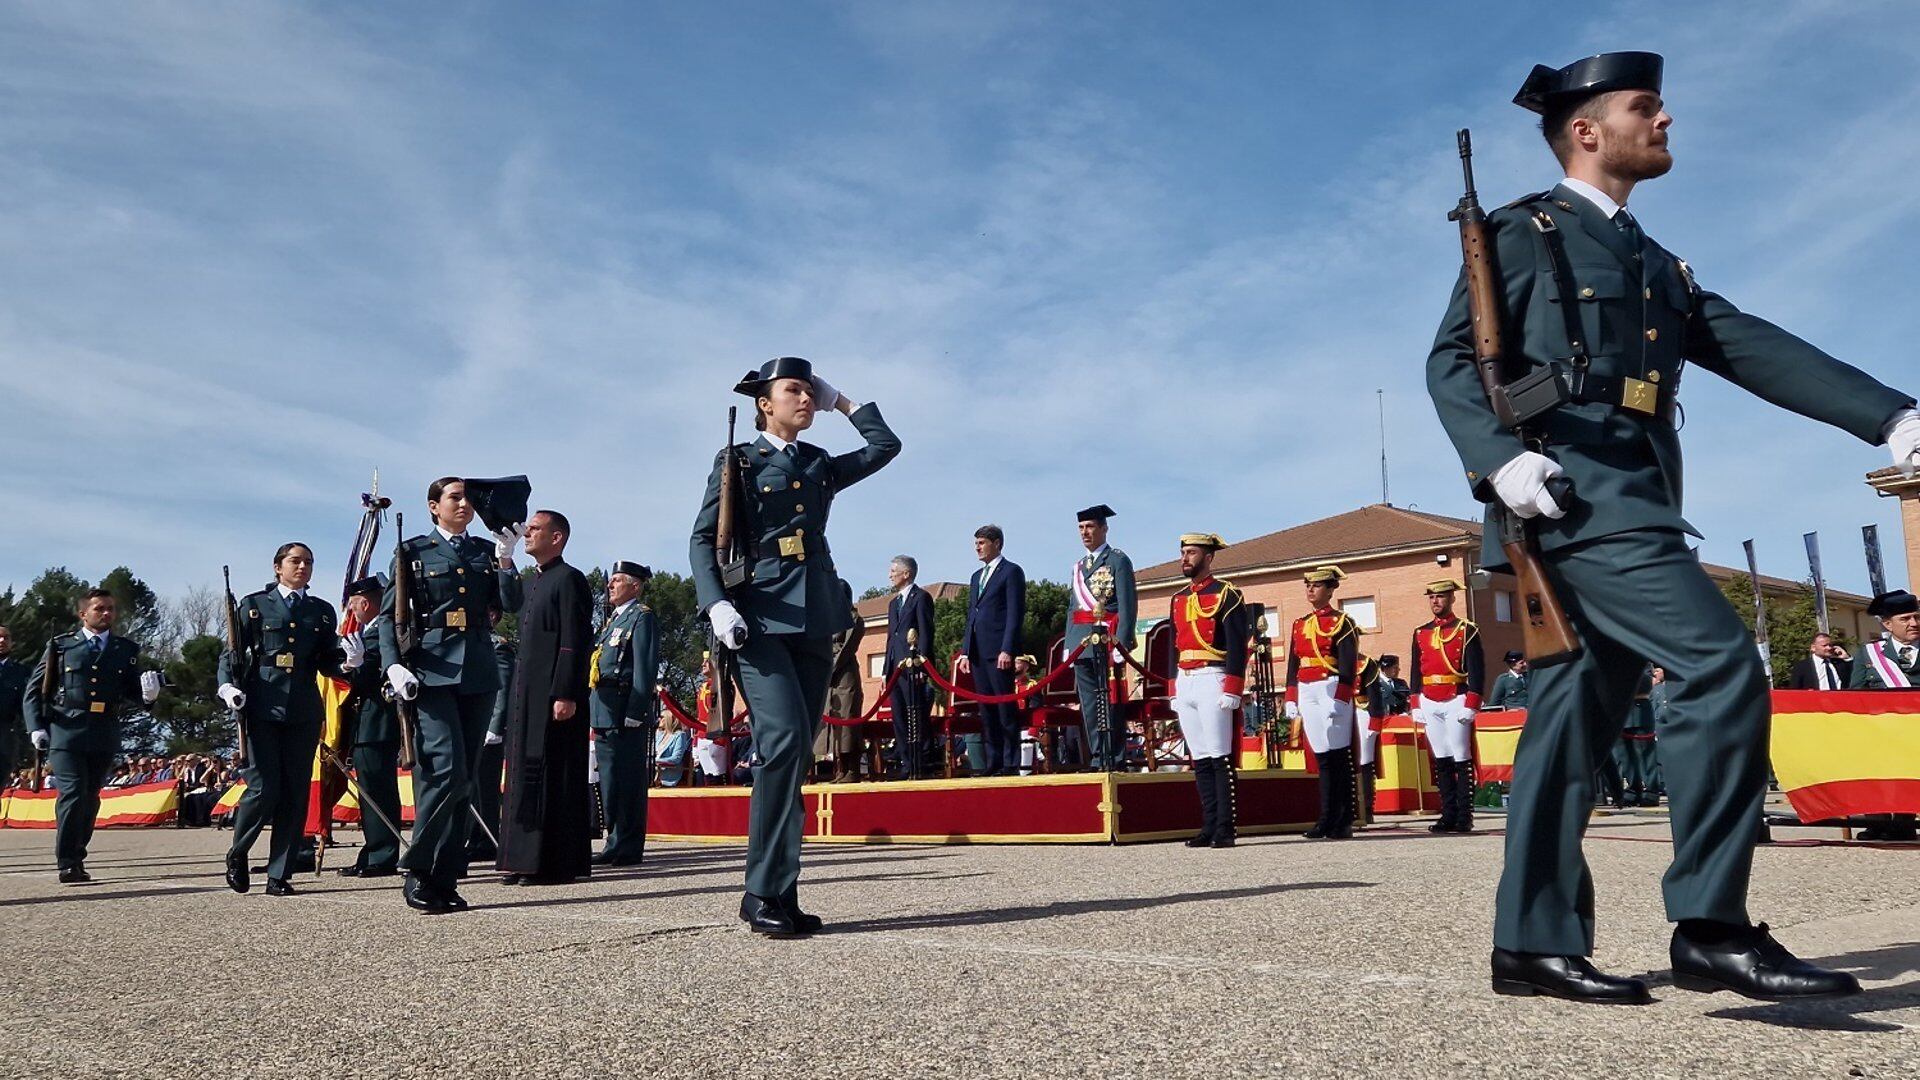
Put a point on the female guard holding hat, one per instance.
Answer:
(455, 578)
(783, 618)
(1211, 628)
(289, 639)
(1321, 667)
(625, 710)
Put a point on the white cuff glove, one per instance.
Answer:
(1903, 438)
(1291, 711)
(40, 739)
(150, 684)
(1229, 702)
(507, 540)
(232, 696)
(494, 738)
(405, 686)
(1522, 485)
(356, 651)
(825, 397)
(728, 626)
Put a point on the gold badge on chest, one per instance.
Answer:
(283, 661)
(1639, 395)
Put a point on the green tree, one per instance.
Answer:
(872, 591)
(683, 633)
(1046, 620)
(50, 607)
(1791, 622)
(189, 718)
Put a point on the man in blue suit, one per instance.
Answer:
(909, 609)
(996, 606)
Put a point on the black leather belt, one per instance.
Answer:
(1643, 396)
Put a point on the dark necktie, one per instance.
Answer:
(793, 452)
(97, 643)
(1630, 229)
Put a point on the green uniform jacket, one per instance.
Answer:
(90, 689)
(629, 651)
(1124, 605)
(454, 583)
(288, 650)
(1643, 318)
(1866, 678)
(1509, 692)
(795, 592)
(375, 720)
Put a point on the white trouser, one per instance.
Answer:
(1206, 726)
(1328, 720)
(1449, 727)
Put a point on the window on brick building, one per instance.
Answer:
(1363, 611)
(1502, 606)
(877, 666)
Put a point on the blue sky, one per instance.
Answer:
(1154, 255)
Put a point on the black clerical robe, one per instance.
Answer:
(547, 808)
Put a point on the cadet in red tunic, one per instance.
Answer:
(1322, 668)
(1449, 668)
(1211, 629)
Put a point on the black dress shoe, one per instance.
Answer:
(237, 878)
(1571, 977)
(764, 916)
(1224, 840)
(75, 875)
(356, 870)
(627, 860)
(802, 922)
(1319, 831)
(513, 879)
(453, 900)
(1201, 840)
(601, 858)
(1752, 964)
(279, 887)
(421, 897)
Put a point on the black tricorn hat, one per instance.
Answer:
(1514, 656)
(501, 501)
(632, 570)
(1889, 604)
(1546, 87)
(1096, 513)
(1388, 659)
(754, 383)
(373, 585)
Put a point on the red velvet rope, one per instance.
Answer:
(878, 700)
(1017, 695)
(689, 722)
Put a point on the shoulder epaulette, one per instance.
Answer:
(1469, 624)
(1538, 196)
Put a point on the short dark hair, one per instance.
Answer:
(1554, 122)
(559, 522)
(990, 532)
(288, 547)
(439, 488)
(95, 594)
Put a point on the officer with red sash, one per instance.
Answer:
(1449, 668)
(1211, 628)
(1322, 668)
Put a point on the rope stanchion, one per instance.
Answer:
(1126, 655)
(878, 700)
(1015, 697)
(687, 721)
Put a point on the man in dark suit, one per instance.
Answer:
(1825, 667)
(910, 610)
(996, 606)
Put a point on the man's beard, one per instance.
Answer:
(1639, 163)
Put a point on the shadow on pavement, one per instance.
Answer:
(76, 894)
(1028, 913)
(543, 898)
(1846, 1014)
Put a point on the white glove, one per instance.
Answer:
(825, 397)
(234, 697)
(507, 540)
(1291, 711)
(494, 738)
(150, 684)
(1903, 438)
(728, 626)
(1229, 702)
(40, 740)
(1522, 485)
(356, 651)
(405, 686)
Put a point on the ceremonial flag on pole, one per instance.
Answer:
(1819, 579)
(1876, 570)
(1759, 612)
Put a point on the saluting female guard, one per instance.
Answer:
(455, 579)
(289, 638)
(783, 620)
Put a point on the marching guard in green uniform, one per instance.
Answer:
(375, 741)
(1618, 316)
(782, 620)
(1510, 689)
(93, 674)
(452, 673)
(288, 639)
(626, 710)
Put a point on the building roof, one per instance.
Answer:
(1380, 528)
(875, 607)
(1384, 529)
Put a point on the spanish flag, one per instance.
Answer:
(1496, 735)
(1838, 753)
(141, 804)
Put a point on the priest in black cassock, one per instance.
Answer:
(547, 808)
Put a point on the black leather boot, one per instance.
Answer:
(1209, 805)
(1443, 778)
(1321, 827)
(1340, 812)
(1225, 828)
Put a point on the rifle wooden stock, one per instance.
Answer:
(404, 636)
(1549, 637)
(733, 575)
(46, 703)
(236, 644)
